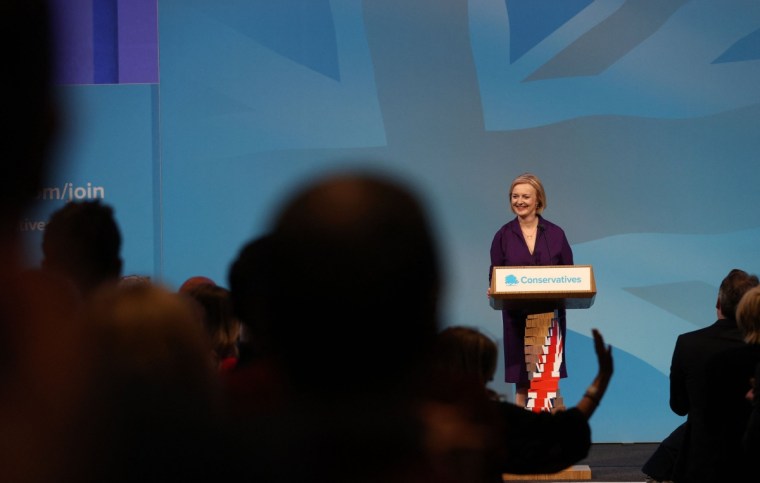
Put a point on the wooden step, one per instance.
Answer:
(575, 472)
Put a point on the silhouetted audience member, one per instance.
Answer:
(155, 409)
(222, 327)
(529, 442)
(727, 411)
(250, 292)
(352, 306)
(42, 368)
(256, 384)
(687, 453)
(83, 243)
(465, 352)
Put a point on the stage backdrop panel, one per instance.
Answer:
(108, 153)
(106, 73)
(640, 117)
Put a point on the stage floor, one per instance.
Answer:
(616, 462)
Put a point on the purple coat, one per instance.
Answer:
(509, 249)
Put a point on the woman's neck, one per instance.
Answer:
(528, 222)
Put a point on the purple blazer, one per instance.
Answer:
(509, 249)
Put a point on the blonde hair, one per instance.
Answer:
(532, 180)
(748, 316)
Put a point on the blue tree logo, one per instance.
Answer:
(511, 280)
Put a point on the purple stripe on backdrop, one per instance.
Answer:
(138, 41)
(106, 43)
(73, 45)
(120, 47)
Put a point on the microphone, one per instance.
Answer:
(542, 229)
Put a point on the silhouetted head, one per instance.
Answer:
(465, 352)
(194, 282)
(355, 282)
(732, 288)
(82, 242)
(221, 325)
(157, 390)
(250, 285)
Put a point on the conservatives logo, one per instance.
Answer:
(513, 280)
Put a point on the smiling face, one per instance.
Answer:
(523, 200)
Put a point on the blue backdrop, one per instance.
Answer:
(639, 116)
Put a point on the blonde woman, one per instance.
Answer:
(528, 239)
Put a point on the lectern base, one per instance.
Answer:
(574, 473)
(544, 352)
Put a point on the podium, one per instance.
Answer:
(557, 286)
(541, 291)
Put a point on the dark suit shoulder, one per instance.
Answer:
(723, 329)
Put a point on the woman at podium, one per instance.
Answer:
(527, 240)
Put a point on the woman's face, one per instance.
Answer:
(523, 200)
